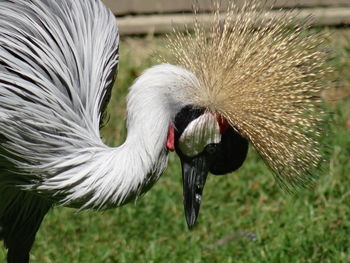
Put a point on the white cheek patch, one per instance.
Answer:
(198, 134)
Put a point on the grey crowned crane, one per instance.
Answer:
(234, 82)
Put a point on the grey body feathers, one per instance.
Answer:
(57, 64)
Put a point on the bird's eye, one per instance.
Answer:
(211, 148)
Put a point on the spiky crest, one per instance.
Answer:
(263, 73)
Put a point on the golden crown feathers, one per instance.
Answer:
(264, 73)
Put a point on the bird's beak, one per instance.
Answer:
(194, 175)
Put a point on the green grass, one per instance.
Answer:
(312, 226)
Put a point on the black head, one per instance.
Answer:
(204, 144)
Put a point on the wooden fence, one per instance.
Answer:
(159, 16)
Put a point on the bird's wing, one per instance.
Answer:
(65, 49)
(57, 65)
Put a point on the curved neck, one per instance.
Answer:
(104, 177)
(152, 104)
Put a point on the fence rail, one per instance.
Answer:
(159, 16)
(127, 7)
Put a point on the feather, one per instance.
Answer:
(264, 74)
(58, 62)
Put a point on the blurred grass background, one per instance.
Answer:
(312, 226)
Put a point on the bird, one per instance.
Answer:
(224, 87)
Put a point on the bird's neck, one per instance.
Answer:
(153, 102)
(105, 177)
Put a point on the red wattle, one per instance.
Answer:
(223, 124)
(170, 142)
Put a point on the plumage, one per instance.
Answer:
(264, 73)
(58, 61)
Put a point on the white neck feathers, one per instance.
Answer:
(101, 177)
